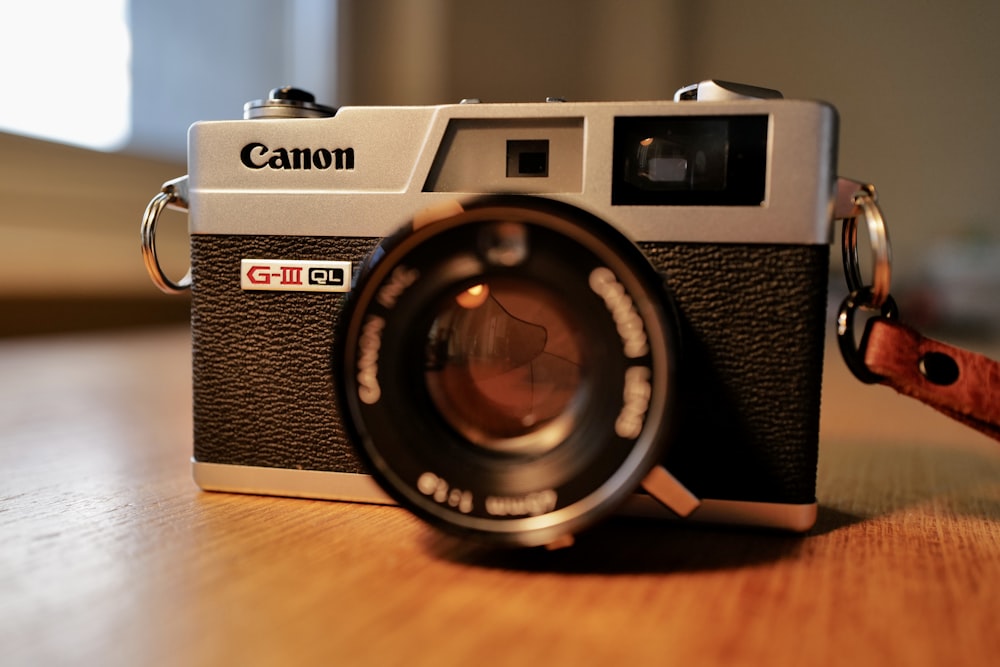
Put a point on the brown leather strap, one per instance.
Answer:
(959, 383)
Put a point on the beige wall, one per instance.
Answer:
(437, 51)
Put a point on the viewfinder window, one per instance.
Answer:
(527, 158)
(690, 161)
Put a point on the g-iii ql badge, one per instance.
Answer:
(288, 275)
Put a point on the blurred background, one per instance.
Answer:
(96, 98)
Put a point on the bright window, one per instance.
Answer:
(67, 72)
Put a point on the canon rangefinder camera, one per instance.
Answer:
(515, 319)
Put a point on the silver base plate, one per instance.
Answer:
(352, 487)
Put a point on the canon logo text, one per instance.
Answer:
(258, 156)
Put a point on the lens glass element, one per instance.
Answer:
(504, 366)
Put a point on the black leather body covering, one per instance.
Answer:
(752, 320)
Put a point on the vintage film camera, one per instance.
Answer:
(517, 318)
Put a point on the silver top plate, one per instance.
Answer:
(364, 172)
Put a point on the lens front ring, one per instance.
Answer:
(618, 416)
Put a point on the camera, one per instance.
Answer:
(515, 319)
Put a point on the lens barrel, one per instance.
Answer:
(506, 373)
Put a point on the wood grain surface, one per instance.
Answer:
(109, 554)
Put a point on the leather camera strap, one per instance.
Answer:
(961, 384)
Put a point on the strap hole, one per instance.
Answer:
(938, 368)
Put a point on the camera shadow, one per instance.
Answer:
(632, 545)
(860, 482)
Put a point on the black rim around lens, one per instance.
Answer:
(505, 373)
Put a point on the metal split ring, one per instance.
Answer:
(173, 195)
(849, 348)
(863, 202)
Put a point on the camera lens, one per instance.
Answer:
(504, 365)
(506, 372)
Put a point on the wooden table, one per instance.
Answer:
(109, 555)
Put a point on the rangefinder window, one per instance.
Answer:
(689, 161)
